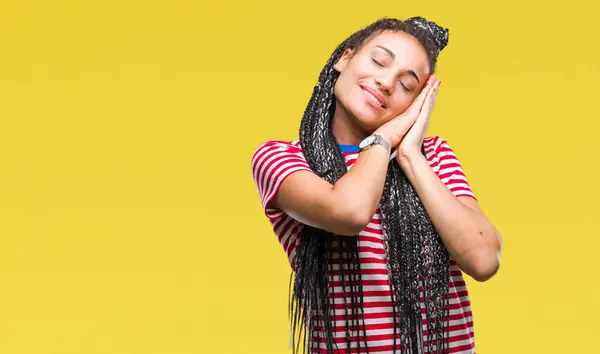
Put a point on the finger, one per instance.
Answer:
(436, 86)
(420, 100)
(429, 85)
(425, 113)
(402, 126)
(425, 91)
(432, 94)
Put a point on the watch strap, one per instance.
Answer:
(378, 139)
(382, 141)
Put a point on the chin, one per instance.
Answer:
(367, 120)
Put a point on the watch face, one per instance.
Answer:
(367, 141)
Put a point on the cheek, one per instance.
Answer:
(343, 90)
(338, 88)
(402, 102)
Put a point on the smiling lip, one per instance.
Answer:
(377, 95)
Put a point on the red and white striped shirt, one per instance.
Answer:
(275, 160)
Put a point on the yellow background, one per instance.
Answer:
(129, 221)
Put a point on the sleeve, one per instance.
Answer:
(272, 162)
(451, 171)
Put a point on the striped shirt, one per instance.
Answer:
(275, 160)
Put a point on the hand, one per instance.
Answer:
(413, 140)
(394, 130)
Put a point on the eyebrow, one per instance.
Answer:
(412, 73)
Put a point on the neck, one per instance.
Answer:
(345, 129)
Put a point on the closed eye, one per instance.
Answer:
(376, 62)
(379, 64)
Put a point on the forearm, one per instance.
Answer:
(468, 235)
(345, 207)
(360, 190)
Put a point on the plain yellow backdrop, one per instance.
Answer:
(129, 221)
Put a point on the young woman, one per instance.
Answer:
(378, 221)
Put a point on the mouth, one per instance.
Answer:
(374, 98)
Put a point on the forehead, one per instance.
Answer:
(407, 49)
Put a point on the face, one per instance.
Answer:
(381, 80)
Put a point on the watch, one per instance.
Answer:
(372, 140)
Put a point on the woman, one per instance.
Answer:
(378, 221)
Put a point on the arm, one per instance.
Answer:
(347, 207)
(469, 236)
(344, 208)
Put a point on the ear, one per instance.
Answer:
(344, 59)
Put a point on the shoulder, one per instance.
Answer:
(277, 145)
(272, 162)
(277, 152)
(445, 164)
(437, 145)
(439, 153)
(434, 142)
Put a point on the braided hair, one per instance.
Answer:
(417, 260)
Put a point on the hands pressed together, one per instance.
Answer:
(406, 132)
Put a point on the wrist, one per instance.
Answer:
(408, 158)
(372, 140)
(387, 137)
(385, 143)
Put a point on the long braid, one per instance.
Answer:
(417, 259)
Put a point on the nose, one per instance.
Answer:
(385, 83)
